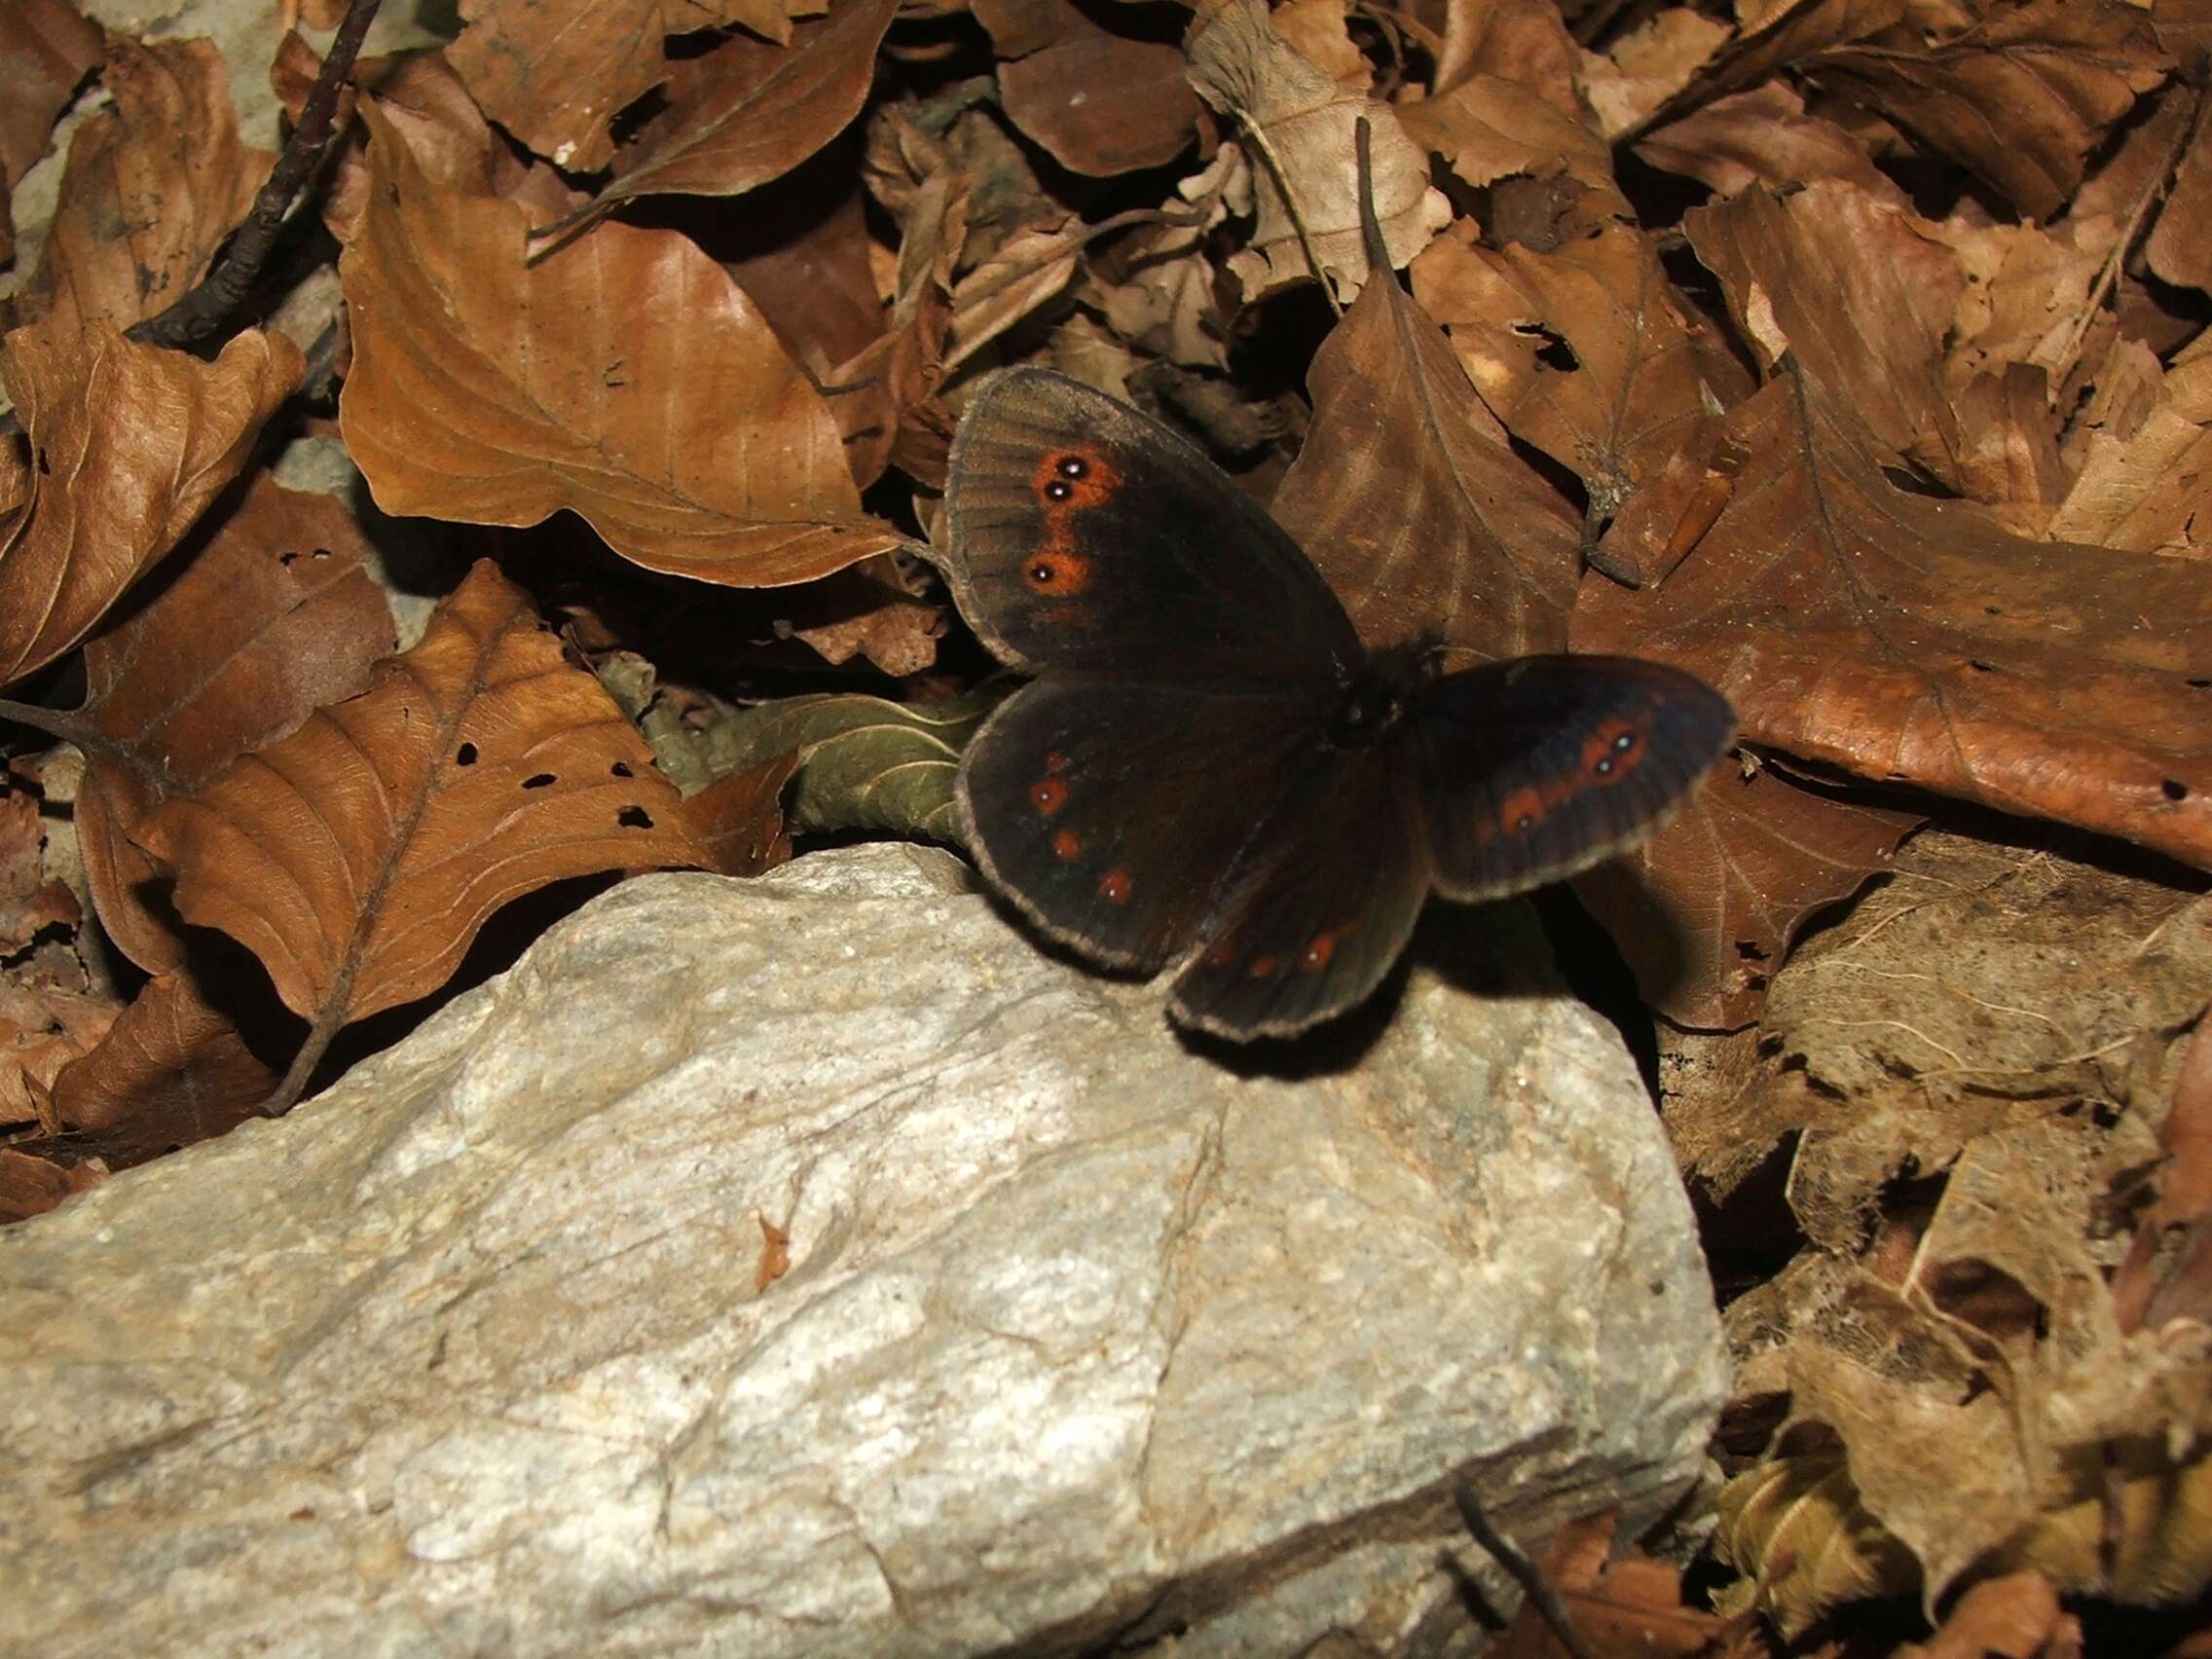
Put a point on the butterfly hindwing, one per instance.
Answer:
(1109, 810)
(1318, 907)
(1537, 768)
(1087, 537)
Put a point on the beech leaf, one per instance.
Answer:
(358, 856)
(129, 445)
(1411, 501)
(1910, 640)
(169, 1071)
(1300, 124)
(151, 189)
(625, 378)
(50, 49)
(750, 111)
(274, 616)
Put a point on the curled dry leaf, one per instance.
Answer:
(1102, 90)
(556, 72)
(47, 51)
(750, 111)
(1862, 292)
(2142, 487)
(169, 1071)
(1908, 638)
(625, 378)
(150, 191)
(129, 444)
(1764, 138)
(1704, 910)
(2167, 1272)
(1412, 503)
(1794, 1527)
(2063, 71)
(31, 899)
(1636, 380)
(1490, 128)
(1298, 127)
(739, 820)
(864, 764)
(273, 616)
(358, 856)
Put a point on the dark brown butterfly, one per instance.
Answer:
(1210, 769)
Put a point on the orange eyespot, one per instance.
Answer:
(1612, 750)
(1048, 794)
(1315, 956)
(1057, 571)
(1114, 886)
(1067, 846)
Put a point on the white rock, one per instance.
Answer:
(1084, 1335)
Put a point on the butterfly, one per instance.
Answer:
(1209, 770)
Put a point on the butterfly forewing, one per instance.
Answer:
(1537, 768)
(1087, 537)
(1320, 903)
(1110, 810)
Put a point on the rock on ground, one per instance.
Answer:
(1083, 1336)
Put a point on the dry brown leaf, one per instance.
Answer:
(1525, 42)
(815, 279)
(1298, 125)
(2016, 1616)
(273, 616)
(1412, 503)
(2144, 480)
(1704, 910)
(751, 111)
(1633, 381)
(2179, 249)
(625, 378)
(1774, 37)
(1103, 92)
(2062, 71)
(128, 443)
(1649, 66)
(1763, 137)
(448, 136)
(2167, 1272)
(150, 190)
(1157, 289)
(1980, 987)
(41, 1032)
(171, 1071)
(1860, 291)
(1796, 1529)
(46, 50)
(1910, 639)
(1488, 127)
(556, 72)
(1027, 270)
(31, 1186)
(739, 820)
(31, 899)
(358, 856)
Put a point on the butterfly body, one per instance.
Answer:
(1210, 769)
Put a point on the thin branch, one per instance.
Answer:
(200, 312)
(1541, 1595)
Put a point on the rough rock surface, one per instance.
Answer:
(1084, 1334)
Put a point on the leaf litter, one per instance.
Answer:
(1853, 354)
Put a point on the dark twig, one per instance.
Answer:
(202, 311)
(1541, 1595)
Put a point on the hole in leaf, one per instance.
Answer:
(286, 556)
(43, 467)
(1978, 666)
(538, 780)
(2175, 790)
(634, 818)
(322, 552)
(465, 754)
(621, 770)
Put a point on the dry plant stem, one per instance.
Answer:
(55, 722)
(1541, 1595)
(2161, 182)
(202, 311)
